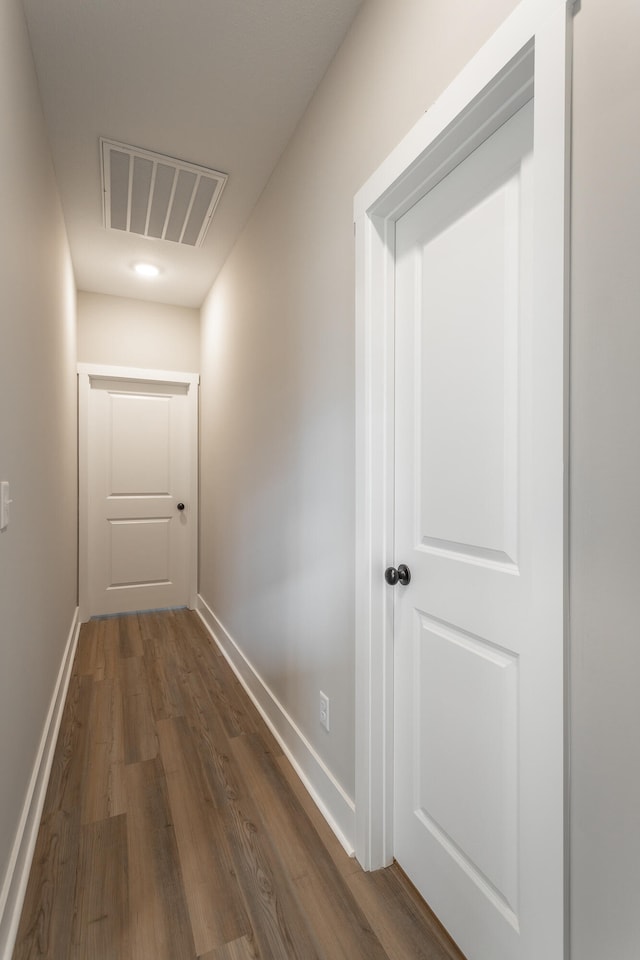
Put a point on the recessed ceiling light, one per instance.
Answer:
(146, 269)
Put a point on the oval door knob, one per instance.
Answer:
(181, 506)
(402, 575)
(391, 576)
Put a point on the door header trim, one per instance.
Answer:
(98, 371)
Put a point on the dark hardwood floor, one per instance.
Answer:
(175, 828)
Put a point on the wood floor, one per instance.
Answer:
(174, 828)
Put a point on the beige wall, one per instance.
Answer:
(605, 471)
(278, 368)
(137, 333)
(37, 427)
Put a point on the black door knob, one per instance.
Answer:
(181, 506)
(402, 575)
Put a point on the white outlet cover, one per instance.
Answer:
(4, 504)
(324, 711)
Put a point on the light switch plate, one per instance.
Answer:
(4, 504)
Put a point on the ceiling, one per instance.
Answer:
(219, 83)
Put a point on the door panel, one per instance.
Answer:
(463, 524)
(468, 276)
(140, 551)
(140, 444)
(138, 471)
(470, 803)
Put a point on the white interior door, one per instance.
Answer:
(469, 669)
(140, 504)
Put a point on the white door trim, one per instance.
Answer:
(532, 46)
(87, 372)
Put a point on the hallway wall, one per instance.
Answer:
(605, 466)
(277, 498)
(37, 429)
(118, 331)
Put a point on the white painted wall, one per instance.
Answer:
(118, 331)
(605, 471)
(37, 426)
(277, 390)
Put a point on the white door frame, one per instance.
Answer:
(93, 371)
(532, 46)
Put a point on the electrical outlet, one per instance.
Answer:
(324, 711)
(5, 502)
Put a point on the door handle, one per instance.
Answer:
(181, 506)
(402, 575)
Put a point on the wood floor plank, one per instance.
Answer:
(104, 794)
(111, 647)
(140, 740)
(212, 742)
(162, 637)
(87, 652)
(214, 901)
(106, 718)
(153, 633)
(159, 921)
(235, 718)
(274, 914)
(278, 923)
(101, 919)
(165, 661)
(65, 786)
(130, 638)
(45, 929)
(166, 695)
(340, 926)
(99, 655)
(104, 790)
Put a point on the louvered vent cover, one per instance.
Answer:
(156, 196)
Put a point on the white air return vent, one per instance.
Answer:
(156, 196)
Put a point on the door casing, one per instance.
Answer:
(86, 373)
(531, 49)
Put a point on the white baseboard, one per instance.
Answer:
(336, 806)
(15, 881)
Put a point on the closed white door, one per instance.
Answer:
(140, 514)
(472, 815)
